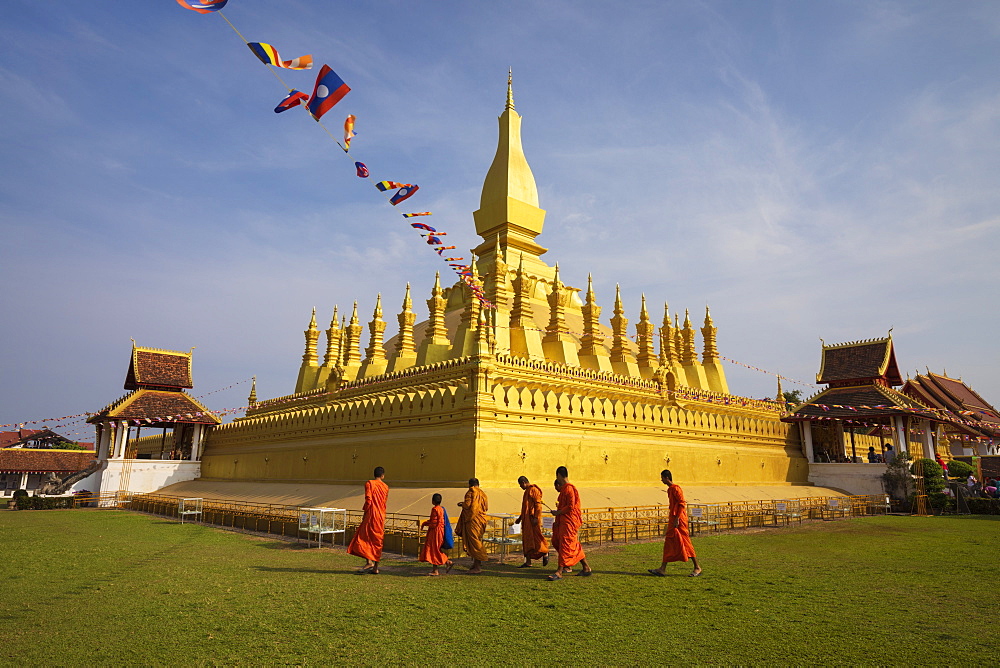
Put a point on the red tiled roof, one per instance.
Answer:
(158, 408)
(863, 395)
(47, 436)
(963, 403)
(159, 368)
(8, 438)
(862, 360)
(44, 461)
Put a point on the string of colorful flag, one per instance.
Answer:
(328, 90)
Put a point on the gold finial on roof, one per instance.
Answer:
(312, 321)
(354, 316)
(643, 313)
(378, 306)
(407, 302)
(252, 399)
(510, 89)
(333, 320)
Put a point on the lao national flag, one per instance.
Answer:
(330, 89)
(204, 7)
(293, 99)
(403, 194)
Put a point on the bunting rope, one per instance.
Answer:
(327, 92)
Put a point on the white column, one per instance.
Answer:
(898, 423)
(196, 433)
(103, 440)
(928, 443)
(24, 481)
(121, 438)
(807, 439)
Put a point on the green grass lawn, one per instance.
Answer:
(84, 587)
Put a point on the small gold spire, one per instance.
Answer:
(312, 322)
(252, 399)
(510, 89)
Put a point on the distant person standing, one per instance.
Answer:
(472, 525)
(888, 453)
(533, 542)
(370, 534)
(677, 542)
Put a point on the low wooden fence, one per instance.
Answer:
(600, 525)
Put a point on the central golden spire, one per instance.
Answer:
(508, 207)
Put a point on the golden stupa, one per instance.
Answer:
(536, 383)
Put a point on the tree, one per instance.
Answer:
(897, 479)
(793, 397)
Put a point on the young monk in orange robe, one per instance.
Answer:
(567, 526)
(370, 534)
(677, 542)
(472, 525)
(431, 551)
(533, 543)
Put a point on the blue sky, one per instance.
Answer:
(808, 169)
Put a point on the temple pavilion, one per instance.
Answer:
(540, 381)
(860, 408)
(974, 425)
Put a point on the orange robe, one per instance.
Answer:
(677, 543)
(431, 550)
(566, 527)
(368, 537)
(533, 543)
(472, 523)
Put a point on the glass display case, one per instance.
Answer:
(319, 522)
(189, 509)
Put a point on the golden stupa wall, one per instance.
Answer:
(500, 417)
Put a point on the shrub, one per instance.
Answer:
(933, 476)
(16, 499)
(959, 469)
(44, 502)
(981, 506)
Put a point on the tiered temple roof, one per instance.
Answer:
(970, 413)
(860, 376)
(157, 379)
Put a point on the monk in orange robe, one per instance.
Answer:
(533, 543)
(431, 551)
(472, 525)
(368, 537)
(677, 542)
(566, 528)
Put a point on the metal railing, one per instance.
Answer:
(404, 536)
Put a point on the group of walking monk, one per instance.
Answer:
(471, 526)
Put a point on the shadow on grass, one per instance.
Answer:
(321, 571)
(276, 544)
